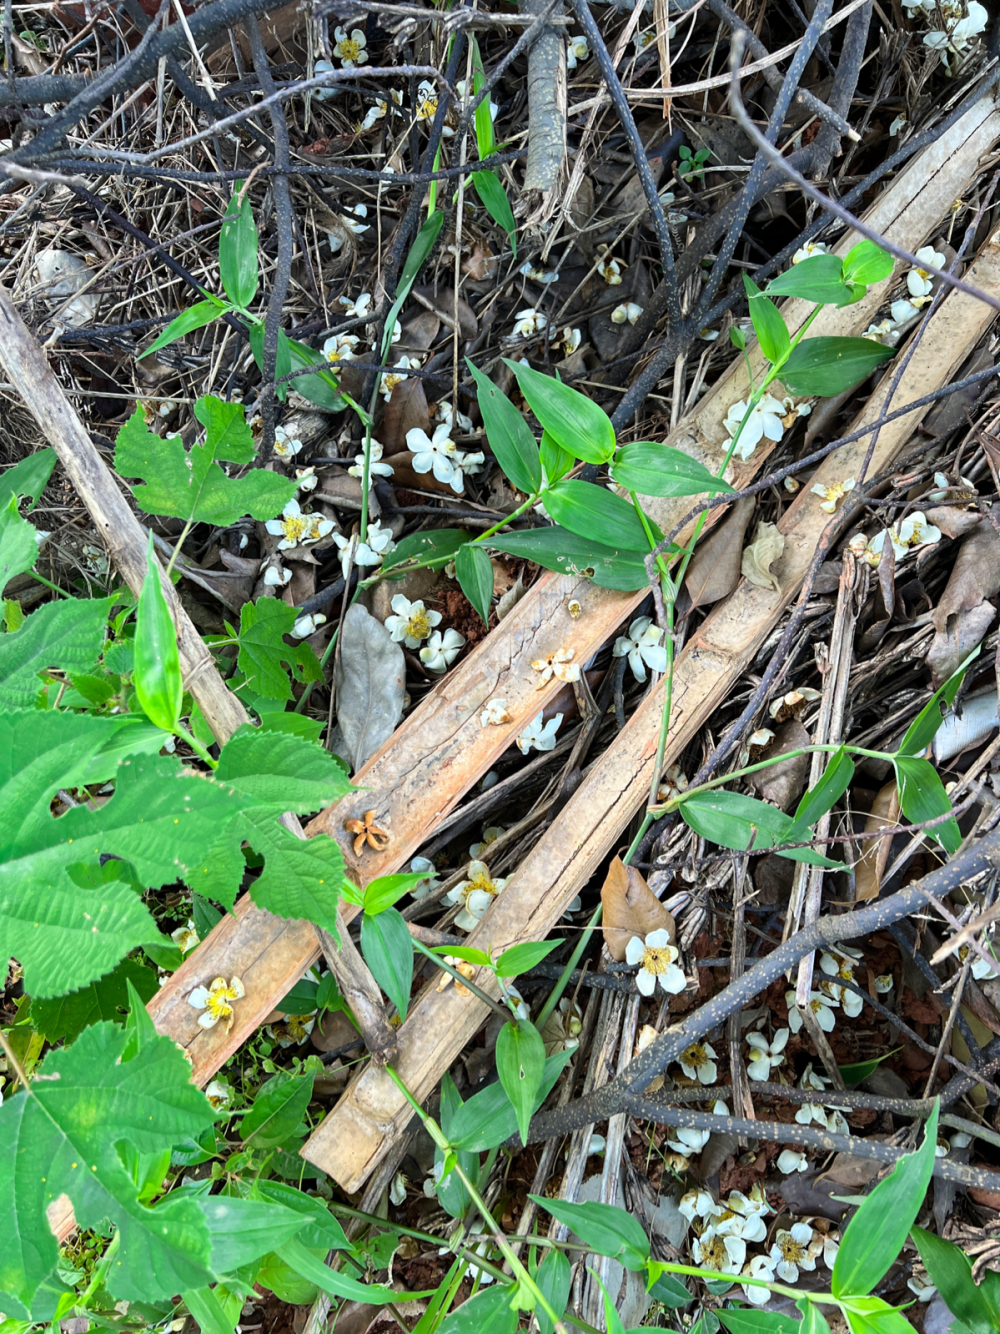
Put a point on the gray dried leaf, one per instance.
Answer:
(510, 599)
(63, 274)
(760, 555)
(371, 680)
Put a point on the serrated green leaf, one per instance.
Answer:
(55, 1140)
(64, 1018)
(556, 548)
(302, 880)
(190, 484)
(508, 433)
(829, 366)
(574, 421)
(262, 651)
(387, 947)
(18, 544)
(27, 478)
(280, 770)
(65, 635)
(475, 576)
(238, 250)
(661, 470)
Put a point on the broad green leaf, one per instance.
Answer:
(191, 484)
(508, 433)
(301, 999)
(283, 357)
(768, 324)
(859, 1070)
(474, 571)
(488, 1118)
(738, 822)
(156, 662)
(64, 1018)
(556, 461)
(494, 197)
(383, 892)
(489, 1312)
(558, 549)
(18, 544)
(438, 544)
(66, 635)
(467, 952)
(27, 478)
(596, 513)
(828, 366)
(387, 947)
(661, 470)
(208, 1312)
(301, 879)
(309, 728)
(819, 278)
(323, 388)
(520, 1057)
(195, 317)
(280, 770)
(921, 731)
(871, 1315)
(229, 437)
(813, 1319)
(419, 253)
(319, 1230)
(875, 1235)
(276, 1276)
(329, 1280)
(553, 1277)
(668, 1289)
(263, 650)
(867, 263)
(245, 1229)
(605, 1228)
(62, 1139)
(452, 1194)
(238, 250)
(277, 1111)
(746, 1320)
(161, 819)
(976, 1305)
(833, 783)
(574, 421)
(922, 797)
(520, 958)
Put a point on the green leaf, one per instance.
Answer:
(494, 196)
(310, 729)
(419, 253)
(556, 461)
(875, 1235)
(867, 263)
(238, 250)
(819, 278)
(157, 663)
(507, 431)
(438, 544)
(277, 1111)
(921, 731)
(520, 1057)
(387, 947)
(574, 421)
(18, 544)
(66, 635)
(205, 916)
(467, 952)
(668, 1290)
(558, 549)
(274, 1275)
(384, 891)
(605, 1228)
(319, 1230)
(612, 1320)
(833, 783)
(64, 1018)
(745, 1320)
(27, 478)
(323, 388)
(871, 1315)
(245, 1229)
(282, 771)
(520, 958)
(768, 325)
(161, 819)
(283, 356)
(813, 1319)
(207, 1311)
(195, 317)
(488, 1118)
(63, 1137)
(950, 1270)
(828, 366)
(474, 571)
(859, 1070)
(922, 797)
(329, 1280)
(596, 513)
(489, 1312)
(262, 650)
(553, 1276)
(191, 484)
(738, 822)
(661, 470)
(452, 1193)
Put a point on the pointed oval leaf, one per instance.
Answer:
(661, 470)
(238, 250)
(574, 421)
(475, 575)
(828, 366)
(387, 947)
(508, 433)
(521, 1065)
(157, 664)
(597, 514)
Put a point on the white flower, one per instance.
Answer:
(490, 836)
(743, 1215)
(378, 110)
(850, 1001)
(724, 1254)
(698, 1204)
(628, 310)
(462, 88)
(809, 1112)
(982, 968)
(790, 1160)
(494, 714)
(219, 1093)
(306, 479)
(350, 51)
(376, 468)
(563, 1027)
(537, 737)
(335, 242)
(474, 894)
(687, 1141)
(324, 94)
(761, 1267)
(427, 105)
(897, 124)
(883, 984)
(913, 532)
(903, 311)
(293, 1032)
(412, 622)
(520, 1006)
(468, 462)
(377, 544)
(656, 958)
(921, 1287)
(435, 453)
(643, 39)
(397, 375)
(277, 578)
(307, 625)
(285, 446)
(543, 276)
(833, 494)
(397, 1189)
(570, 339)
(577, 50)
(423, 866)
(559, 664)
(765, 1055)
(185, 937)
(698, 1063)
(446, 413)
(216, 1001)
(808, 250)
(672, 784)
(297, 529)
(642, 647)
(597, 1144)
(341, 347)
(359, 308)
(611, 271)
(812, 1079)
(440, 651)
(708, 335)
(529, 322)
(790, 1252)
(766, 419)
(821, 1006)
(918, 281)
(958, 32)
(359, 211)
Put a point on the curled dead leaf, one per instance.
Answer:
(760, 555)
(783, 783)
(715, 567)
(630, 909)
(872, 861)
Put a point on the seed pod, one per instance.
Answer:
(157, 671)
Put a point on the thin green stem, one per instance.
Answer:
(495, 1006)
(100, 1273)
(201, 751)
(515, 514)
(557, 991)
(177, 546)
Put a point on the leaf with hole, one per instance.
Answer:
(520, 1058)
(556, 548)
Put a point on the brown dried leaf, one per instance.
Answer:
(872, 861)
(419, 332)
(715, 567)
(481, 265)
(630, 909)
(954, 522)
(760, 555)
(976, 574)
(783, 783)
(442, 302)
(406, 411)
(953, 643)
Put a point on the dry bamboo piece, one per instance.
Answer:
(440, 750)
(360, 1129)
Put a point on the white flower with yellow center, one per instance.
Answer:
(436, 454)
(850, 1001)
(446, 414)
(790, 1252)
(743, 1215)
(766, 419)
(833, 494)
(411, 622)
(216, 1001)
(808, 250)
(766, 1056)
(628, 310)
(490, 836)
(672, 784)
(285, 446)
(611, 271)
(358, 309)
(306, 479)
(350, 49)
(441, 650)
(698, 1204)
(397, 375)
(475, 894)
(657, 960)
(724, 1254)
(643, 39)
(537, 736)
(341, 347)
(425, 867)
(570, 339)
(297, 529)
(559, 664)
(913, 532)
(529, 322)
(376, 468)
(822, 1007)
(378, 111)
(919, 282)
(883, 984)
(494, 714)
(219, 1093)
(517, 1004)
(293, 1032)
(427, 105)
(543, 276)
(185, 937)
(577, 51)
(698, 1063)
(324, 94)
(642, 647)
(958, 32)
